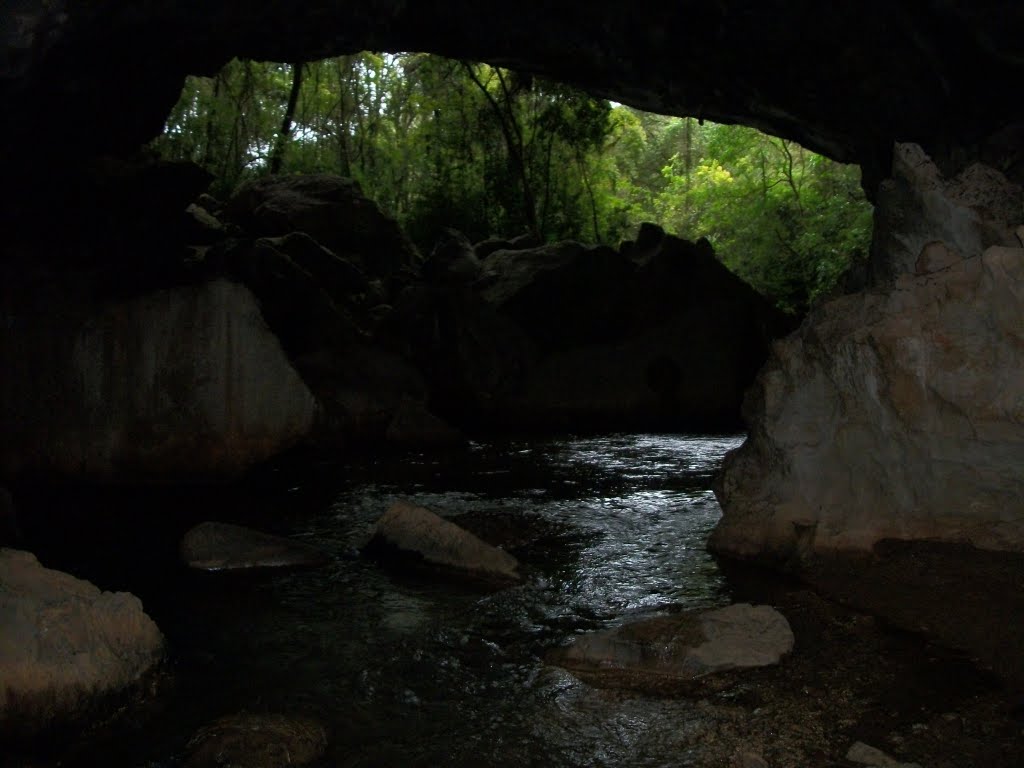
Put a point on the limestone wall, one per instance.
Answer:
(897, 412)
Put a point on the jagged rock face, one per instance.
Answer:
(898, 412)
(843, 79)
(175, 384)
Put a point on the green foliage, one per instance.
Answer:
(442, 143)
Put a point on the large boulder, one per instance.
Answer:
(330, 209)
(667, 341)
(680, 648)
(213, 546)
(895, 413)
(415, 532)
(175, 384)
(65, 646)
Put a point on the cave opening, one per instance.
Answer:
(885, 443)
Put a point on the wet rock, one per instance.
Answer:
(411, 531)
(66, 647)
(415, 426)
(215, 546)
(682, 647)
(867, 755)
(256, 741)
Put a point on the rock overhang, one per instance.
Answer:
(845, 80)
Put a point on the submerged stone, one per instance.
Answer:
(684, 647)
(222, 547)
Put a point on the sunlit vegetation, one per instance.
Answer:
(440, 143)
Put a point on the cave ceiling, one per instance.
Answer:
(79, 79)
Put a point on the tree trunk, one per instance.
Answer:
(289, 116)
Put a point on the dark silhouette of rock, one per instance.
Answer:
(453, 261)
(472, 358)
(409, 532)
(485, 248)
(215, 546)
(619, 338)
(65, 646)
(330, 209)
(414, 426)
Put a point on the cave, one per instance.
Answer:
(884, 463)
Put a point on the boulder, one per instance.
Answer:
(682, 648)
(215, 546)
(256, 741)
(670, 341)
(896, 413)
(178, 384)
(330, 209)
(418, 534)
(66, 647)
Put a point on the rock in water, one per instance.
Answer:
(865, 754)
(418, 532)
(682, 647)
(65, 644)
(223, 547)
(257, 741)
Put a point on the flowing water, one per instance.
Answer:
(407, 670)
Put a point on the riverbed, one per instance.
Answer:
(412, 669)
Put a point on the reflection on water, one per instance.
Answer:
(405, 671)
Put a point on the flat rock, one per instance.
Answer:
(65, 645)
(683, 647)
(418, 533)
(222, 547)
(257, 741)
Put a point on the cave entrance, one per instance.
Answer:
(494, 153)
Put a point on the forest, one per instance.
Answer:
(444, 143)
